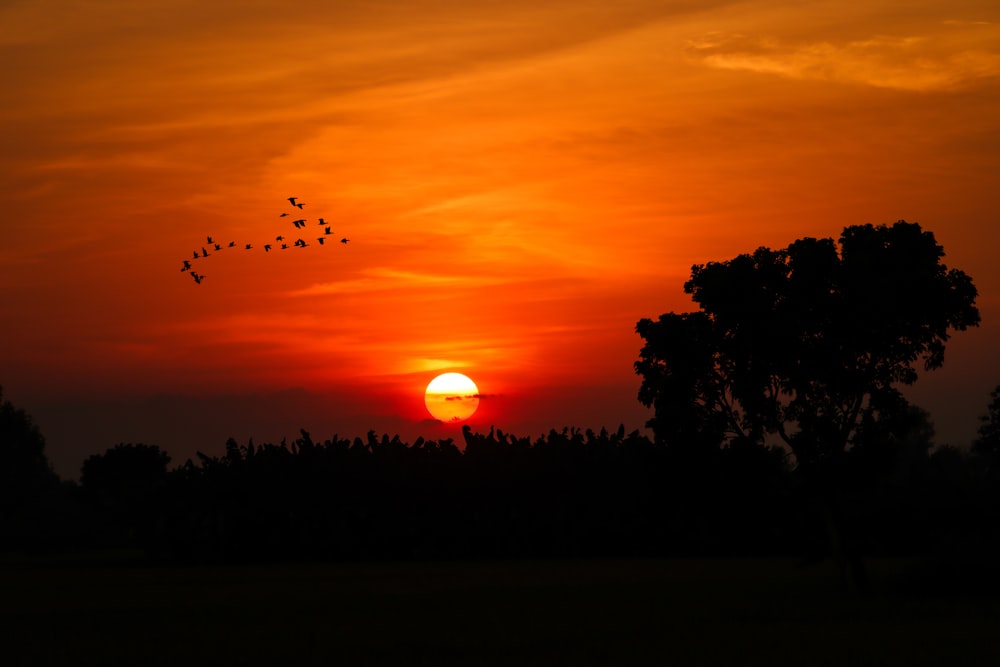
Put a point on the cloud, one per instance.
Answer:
(472, 396)
(384, 278)
(917, 63)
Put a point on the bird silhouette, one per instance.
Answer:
(299, 223)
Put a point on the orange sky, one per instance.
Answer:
(521, 182)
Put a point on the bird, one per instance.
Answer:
(209, 239)
(284, 246)
(299, 223)
(249, 246)
(218, 247)
(292, 200)
(196, 254)
(204, 253)
(322, 222)
(320, 239)
(196, 277)
(327, 231)
(267, 247)
(284, 214)
(187, 266)
(279, 238)
(344, 240)
(232, 244)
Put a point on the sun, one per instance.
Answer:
(452, 397)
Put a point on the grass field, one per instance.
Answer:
(646, 612)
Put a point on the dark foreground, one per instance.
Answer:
(664, 612)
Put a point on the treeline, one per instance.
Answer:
(568, 493)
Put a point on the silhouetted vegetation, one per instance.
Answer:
(805, 347)
(778, 429)
(566, 494)
(36, 510)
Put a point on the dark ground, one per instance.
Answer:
(109, 610)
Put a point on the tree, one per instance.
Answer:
(23, 462)
(125, 483)
(27, 481)
(806, 345)
(987, 444)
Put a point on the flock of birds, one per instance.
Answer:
(280, 241)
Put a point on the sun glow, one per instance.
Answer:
(452, 397)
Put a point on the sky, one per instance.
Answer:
(520, 181)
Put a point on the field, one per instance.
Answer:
(655, 612)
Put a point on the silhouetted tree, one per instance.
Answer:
(987, 444)
(126, 484)
(28, 487)
(806, 345)
(22, 450)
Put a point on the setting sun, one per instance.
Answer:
(452, 397)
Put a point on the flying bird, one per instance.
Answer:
(320, 239)
(249, 246)
(327, 231)
(204, 253)
(344, 240)
(267, 247)
(187, 266)
(299, 223)
(232, 244)
(196, 277)
(296, 203)
(283, 215)
(209, 239)
(218, 247)
(279, 238)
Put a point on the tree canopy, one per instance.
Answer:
(806, 344)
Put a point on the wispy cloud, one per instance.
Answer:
(469, 397)
(915, 63)
(384, 278)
